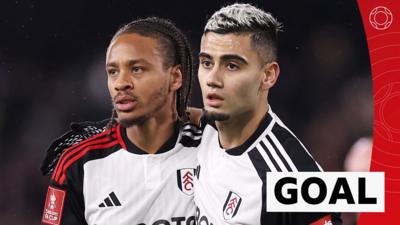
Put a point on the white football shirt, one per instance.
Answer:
(230, 185)
(108, 180)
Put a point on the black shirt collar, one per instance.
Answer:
(243, 147)
(168, 145)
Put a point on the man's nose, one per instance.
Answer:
(215, 78)
(123, 82)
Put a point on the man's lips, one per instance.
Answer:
(214, 100)
(125, 103)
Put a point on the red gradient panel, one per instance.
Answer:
(381, 21)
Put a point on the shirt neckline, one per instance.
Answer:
(239, 150)
(167, 146)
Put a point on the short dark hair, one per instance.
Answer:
(247, 19)
(176, 49)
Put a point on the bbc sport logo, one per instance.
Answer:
(325, 192)
(380, 18)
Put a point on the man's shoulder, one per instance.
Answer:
(78, 133)
(73, 158)
(281, 150)
(191, 135)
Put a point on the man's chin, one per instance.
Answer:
(126, 121)
(211, 115)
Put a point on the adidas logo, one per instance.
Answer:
(110, 201)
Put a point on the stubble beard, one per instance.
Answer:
(214, 116)
(157, 100)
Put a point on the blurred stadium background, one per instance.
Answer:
(52, 73)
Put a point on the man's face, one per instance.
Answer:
(230, 75)
(137, 81)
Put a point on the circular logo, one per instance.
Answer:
(381, 18)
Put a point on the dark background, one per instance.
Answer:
(52, 73)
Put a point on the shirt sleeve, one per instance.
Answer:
(64, 204)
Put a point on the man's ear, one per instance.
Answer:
(175, 81)
(270, 75)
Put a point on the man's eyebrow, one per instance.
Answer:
(204, 55)
(111, 64)
(129, 62)
(230, 57)
(135, 61)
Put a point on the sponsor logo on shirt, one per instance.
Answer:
(231, 205)
(110, 201)
(179, 220)
(185, 180)
(53, 206)
(202, 219)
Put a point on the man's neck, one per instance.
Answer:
(235, 131)
(153, 133)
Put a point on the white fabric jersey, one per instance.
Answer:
(108, 180)
(230, 184)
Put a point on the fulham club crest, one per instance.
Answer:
(185, 180)
(231, 205)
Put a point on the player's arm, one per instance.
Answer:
(194, 115)
(63, 206)
(64, 200)
(78, 132)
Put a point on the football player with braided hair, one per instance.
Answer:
(139, 167)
